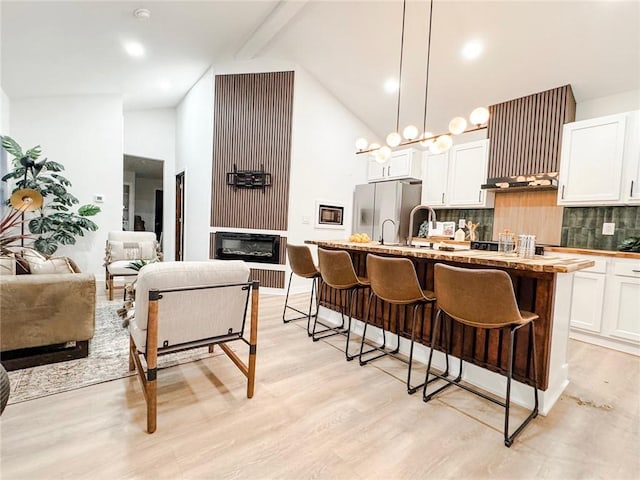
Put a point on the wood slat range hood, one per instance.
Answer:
(525, 137)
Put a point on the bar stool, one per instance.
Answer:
(336, 269)
(394, 280)
(301, 263)
(483, 299)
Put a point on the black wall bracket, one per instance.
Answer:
(249, 178)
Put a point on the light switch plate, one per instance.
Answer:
(98, 198)
(305, 220)
(608, 228)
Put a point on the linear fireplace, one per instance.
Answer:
(250, 247)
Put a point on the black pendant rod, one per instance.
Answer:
(404, 8)
(426, 86)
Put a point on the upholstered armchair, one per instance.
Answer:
(182, 305)
(122, 249)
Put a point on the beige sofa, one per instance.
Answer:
(52, 315)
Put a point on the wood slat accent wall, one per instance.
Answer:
(525, 134)
(282, 252)
(268, 278)
(252, 127)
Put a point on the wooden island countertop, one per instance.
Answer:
(542, 285)
(540, 263)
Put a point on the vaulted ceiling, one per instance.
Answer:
(350, 47)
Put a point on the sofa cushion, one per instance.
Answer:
(7, 265)
(39, 265)
(121, 267)
(132, 250)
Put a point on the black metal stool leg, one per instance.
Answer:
(337, 330)
(411, 390)
(437, 330)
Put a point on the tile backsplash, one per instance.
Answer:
(484, 216)
(582, 226)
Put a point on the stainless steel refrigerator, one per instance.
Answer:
(374, 203)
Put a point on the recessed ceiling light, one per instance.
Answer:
(142, 13)
(391, 85)
(134, 49)
(472, 50)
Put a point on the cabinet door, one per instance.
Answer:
(631, 162)
(376, 171)
(587, 301)
(591, 161)
(434, 178)
(624, 301)
(467, 172)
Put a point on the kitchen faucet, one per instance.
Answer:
(382, 229)
(431, 219)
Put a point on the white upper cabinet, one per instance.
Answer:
(453, 179)
(599, 161)
(403, 164)
(434, 178)
(467, 171)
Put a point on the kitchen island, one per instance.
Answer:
(542, 285)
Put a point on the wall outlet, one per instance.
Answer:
(98, 198)
(305, 220)
(608, 228)
(462, 223)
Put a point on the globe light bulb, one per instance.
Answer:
(427, 139)
(479, 116)
(361, 144)
(444, 143)
(457, 125)
(410, 132)
(383, 154)
(374, 146)
(434, 148)
(394, 139)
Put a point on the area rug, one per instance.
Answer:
(108, 360)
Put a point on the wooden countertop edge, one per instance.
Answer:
(477, 257)
(598, 253)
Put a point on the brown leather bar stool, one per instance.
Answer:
(394, 280)
(483, 299)
(336, 269)
(301, 263)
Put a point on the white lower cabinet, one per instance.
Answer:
(605, 304)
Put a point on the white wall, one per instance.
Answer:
(5, 110)
(152, 134)
(598, 107)
(129, 178)
(83, 133)
(194, 151)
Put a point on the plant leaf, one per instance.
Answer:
(53, 166)
(88, 210)
(63, 237)
(41, 225)
(34, 153)
(11, 146)
(46, 246)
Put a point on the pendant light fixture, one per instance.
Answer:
(436, 143)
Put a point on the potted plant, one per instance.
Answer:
(55, 222)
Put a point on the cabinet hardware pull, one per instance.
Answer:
(479, 194)
(389, 171)
(631, 192)
(635, 271)
(442, 197)
(562, 196)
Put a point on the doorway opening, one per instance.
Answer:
(142, 197)
(179, 216)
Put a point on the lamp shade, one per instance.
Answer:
(26, 200)
(383, 154)
(361, 144)
(457, 125)
(443, 143)
(394, 139)
(410, 132)
(427, 139)
(479, 116)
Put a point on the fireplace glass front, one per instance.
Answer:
(249, 247)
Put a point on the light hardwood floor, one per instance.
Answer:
(316, 416)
